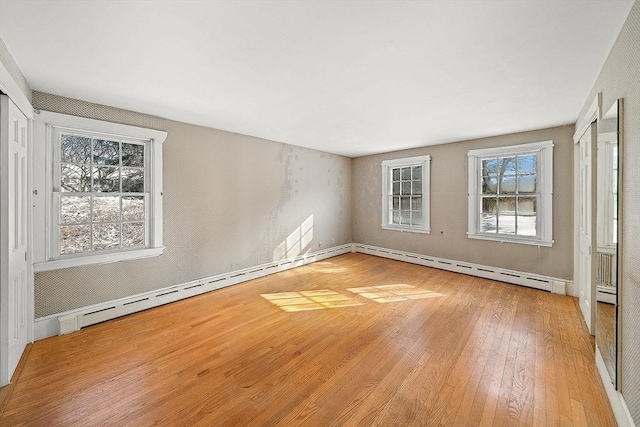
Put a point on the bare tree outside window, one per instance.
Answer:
(509, 195)
(102, 201)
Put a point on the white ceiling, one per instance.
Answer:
(351, 78)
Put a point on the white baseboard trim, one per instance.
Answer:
(73, 320)
(571, 289)
(618, 405)
(551, 284)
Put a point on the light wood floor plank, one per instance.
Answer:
(467, 351)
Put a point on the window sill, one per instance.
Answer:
(97, 259)
(407, 229)
(506, 239)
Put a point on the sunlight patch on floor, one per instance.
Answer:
(310, 300)
(393, 293)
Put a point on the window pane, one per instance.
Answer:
(416, 203)
(395, 174)
(106, 236)
(489, 185)
(508, 166)
(489, 205)
(405, 218)
(489, 167)
(106, 179)
(417, 187)
(75, 149)
(75, 239)
(416, 172)
(132, 180)
(132, 208)
(396, 217)
(75, 209)
(527, 219)
(416, 218)
(106, 209)
(395, 188)
(527, 225)
(75, 179)
(507, 205)
(132, 155)
(526, 206)
(488, 223)
(508, 184)
(405, 203)
(526, 184)
(132, 234)
(406, 187)
(106, 152)
(396, 203)
(527, 164)
(406, 174)
(507, 224)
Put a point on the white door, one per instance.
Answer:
(586, 255)
(14, 280)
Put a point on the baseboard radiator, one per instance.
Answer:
(558, 286)
(73, 320)
(606, 260)
(606, 268)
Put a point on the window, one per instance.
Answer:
(103, 190)
(405, 189)
(510, 193)
(607, 188)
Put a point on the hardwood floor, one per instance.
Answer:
(447, 349)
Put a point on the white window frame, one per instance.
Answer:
(607, 146)
(46, 226)
(544, 174)
(387, 166)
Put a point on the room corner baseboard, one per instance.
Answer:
(618, 405)
(536, 281)
(73, 320)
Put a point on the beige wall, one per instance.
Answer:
(229, 201)
(449, 207)
(620, 78)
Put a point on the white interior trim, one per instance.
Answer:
(387, 166)
(536, 281)
(594, 112)
(73, 320)
(618, 405)
(11, 88)
(544, 173)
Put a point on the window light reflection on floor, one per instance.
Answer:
(328, 298)
(310, 300)
(393, 293)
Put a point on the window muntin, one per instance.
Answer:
(510, 193)
(405, 194)
(100, 185)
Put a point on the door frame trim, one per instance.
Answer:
(592, 114)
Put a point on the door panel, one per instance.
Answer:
(14, 284)
(586, 290)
